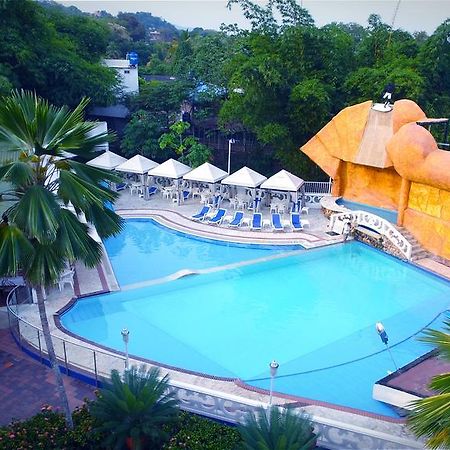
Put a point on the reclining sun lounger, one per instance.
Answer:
(152, 190)
(256, 223)
(202, 214)
(276, 222)
(237, 219)
(220, 214)
(296, 222)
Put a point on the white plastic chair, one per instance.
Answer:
(66, 278)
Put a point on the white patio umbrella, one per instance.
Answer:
(107, 160)
(140, 165)
(283, 181)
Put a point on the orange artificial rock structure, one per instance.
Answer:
(385, 159)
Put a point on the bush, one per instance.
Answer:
(196, 433)
(47, 431)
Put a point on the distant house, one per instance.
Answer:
(128, 74)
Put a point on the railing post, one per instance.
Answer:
(95, 369)
(40, 347)
(65, 357)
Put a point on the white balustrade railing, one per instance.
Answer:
(318, 187)
(338, 224)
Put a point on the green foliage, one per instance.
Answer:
(54, 53)
(430, 417)
(188, 147)
(197, 433)
(136, 407)
(38, 234)
(47, 431)
(277, 430)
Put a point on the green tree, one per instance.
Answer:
(135, 407)
(430, 417)
(190, 150)
(277, 429)
(39, 234)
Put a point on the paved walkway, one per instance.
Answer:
(26, 385)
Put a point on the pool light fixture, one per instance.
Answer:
(385, 339)
(273, 372)
(126, 336)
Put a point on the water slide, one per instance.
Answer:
(378, 131)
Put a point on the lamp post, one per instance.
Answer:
(385, 339)
(273, 372)
(126, 336)
(230, 142)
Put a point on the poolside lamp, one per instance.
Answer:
(382, 333)
(126, 336)
(385, 339)
(273, 372)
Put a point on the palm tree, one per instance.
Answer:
(134, 409)
(430, 416)
(277, 429)
(41, 231)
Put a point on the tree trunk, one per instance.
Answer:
(52, 358)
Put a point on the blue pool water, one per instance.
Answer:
(313, 312)
(146, 250)
(387, 214)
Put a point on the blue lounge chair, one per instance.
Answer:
(220, 214)
(152, 190)
(237, 219)
(296, 223)
(256, 223)
(121, 187)
(202, 214)
(186, 195)
(276, 222)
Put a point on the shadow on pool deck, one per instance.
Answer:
(26, 385)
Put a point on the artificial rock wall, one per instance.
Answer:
(415, 180)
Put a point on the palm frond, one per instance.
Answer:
(19, 174)
(37, 214)
(106, 222)
(440, 339)
(74, 242)
(15, 250)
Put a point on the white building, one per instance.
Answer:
(127, 72)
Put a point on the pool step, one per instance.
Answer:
(417, 251)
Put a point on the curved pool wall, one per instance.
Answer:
(146, 250)
(313, 312)
(388, 214)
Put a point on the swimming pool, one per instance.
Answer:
(387, 214)
(313, 312)
(146, 250)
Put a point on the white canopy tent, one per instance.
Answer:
(107, 160)
(170, 169)
(140, 165)
(245, 177)
(283, 181)
(137, 164)
(207, 173)
(286, 182)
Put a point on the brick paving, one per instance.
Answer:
(26, 385)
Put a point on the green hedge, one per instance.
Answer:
(47, 431)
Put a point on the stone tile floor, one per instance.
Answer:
(26, 384)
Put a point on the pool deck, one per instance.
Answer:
(102, 279)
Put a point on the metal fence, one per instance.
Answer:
(95, 365)
(318, 187)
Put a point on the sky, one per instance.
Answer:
(413, 15)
